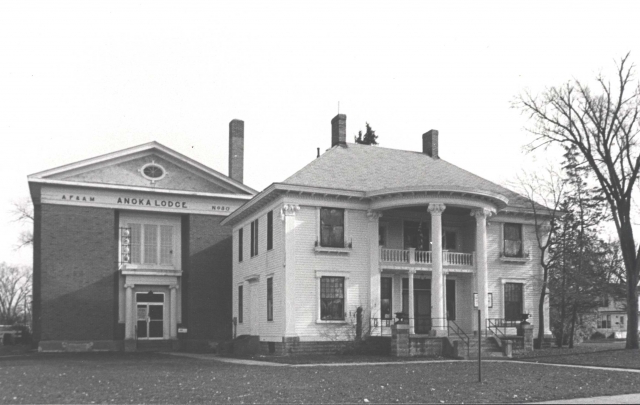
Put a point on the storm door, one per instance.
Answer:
(150, 315)
(422, 303)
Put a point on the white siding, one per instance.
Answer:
(265, 264)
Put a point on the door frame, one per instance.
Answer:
(148, 320)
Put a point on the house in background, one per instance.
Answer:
(129, 250)
(400, 234)
(612, 316)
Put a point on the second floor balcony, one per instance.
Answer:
(398, 259)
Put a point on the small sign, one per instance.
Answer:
(142, 313)
(182, 330)
(475, 300)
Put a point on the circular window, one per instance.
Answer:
(153, 171)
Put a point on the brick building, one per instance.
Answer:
(129, 249)
(401, 234)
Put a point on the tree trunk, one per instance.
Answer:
(563, 308)
(538, 344)
(631, 263)
(573, 324)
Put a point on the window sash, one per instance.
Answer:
(240, 244)
(270, 230)
(512, 240)
(240, 306)
(254, 238)
(270, 299)
(332, 298)
(152, 244)
(331, 227)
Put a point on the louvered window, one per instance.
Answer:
(152, 244)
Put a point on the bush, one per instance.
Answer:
(8, 339)
(597, 335)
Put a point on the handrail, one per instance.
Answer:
(457, 330)
(425, 257)
(495, 324)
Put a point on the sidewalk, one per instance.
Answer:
(615, 399)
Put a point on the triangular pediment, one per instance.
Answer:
(171, 171)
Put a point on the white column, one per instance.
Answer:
(173, 321)
(129, 327)
(438, 327)
(288, 215)
(374, 268)
(412, 323)
(482, 286)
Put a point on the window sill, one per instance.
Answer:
(337, 250)
(514, 259)
(338, 322)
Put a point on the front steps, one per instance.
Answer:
(490, 348)
(154, 346)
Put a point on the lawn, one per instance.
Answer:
(158, 378)
(602, 354)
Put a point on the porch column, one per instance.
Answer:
(173, 321)
(129, 328)
(288, 215)
(374, 268)
(412, 323)
(438, 327)
(482, 287)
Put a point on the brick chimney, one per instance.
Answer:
(236, 150)
(339, 130)
(430, 144)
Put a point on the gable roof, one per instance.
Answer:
(372, 168)
(84, 172)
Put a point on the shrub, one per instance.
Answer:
(597, 335)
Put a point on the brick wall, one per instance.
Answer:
(75, 273)
(206, 284)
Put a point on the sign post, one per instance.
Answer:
(479, 349)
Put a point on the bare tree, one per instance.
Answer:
(603, 126)
(23, 212)
(544, 195)
(15, 292)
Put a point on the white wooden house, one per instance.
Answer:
(401, 234)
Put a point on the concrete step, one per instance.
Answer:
(153, 345)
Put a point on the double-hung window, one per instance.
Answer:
(513, 240)
(270, 299)
(332, 298)
(332, 227)
(240, 244)
(270, 230)
(254, 238)
(240, 309)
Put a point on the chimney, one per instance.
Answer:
(430, 144)
(339, 130)
(236, 150)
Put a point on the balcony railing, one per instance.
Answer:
(425, 257)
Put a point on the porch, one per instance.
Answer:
(423, 260)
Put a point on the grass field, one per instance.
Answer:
(159, 378)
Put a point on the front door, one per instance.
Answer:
(421, 303)
(150, 315)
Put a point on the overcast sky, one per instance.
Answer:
(80, 79)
